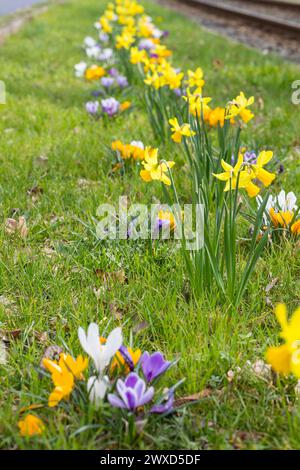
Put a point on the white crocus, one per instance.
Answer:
(97, 387)
(90, 42)
(286, 203)
(100, 353)
(80, 69)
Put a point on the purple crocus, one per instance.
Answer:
(92, 107)
(110, 106)
(113, 72)
(166, 405)
(103, 37)
(122, 81)
(107, 82)
(250, 157)
(146, 44)
(177, 91)
(153, 365)
(132, 392)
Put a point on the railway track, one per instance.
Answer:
(249, 10)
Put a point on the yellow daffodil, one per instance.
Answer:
(197, 104)
(106, 26)
(173, 79)
(217, 116)
(180, 131)
(31, 426)
(239, 107)
(124, 41)
(94, 72)
(196, 79)
(136, 56)
(285, 359)
(155, 170)
(234, 175)
(260, 173)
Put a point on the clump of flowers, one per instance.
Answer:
(281, 212)
(116, 374)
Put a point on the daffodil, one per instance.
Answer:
(239, 107)
(31, 426)
(137, 56)
(198, 105)
(180, 131)
(155, 170)
(195, 79)
(124, 41)
(234, 175)
(285, 359)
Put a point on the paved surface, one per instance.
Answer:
(11, 6)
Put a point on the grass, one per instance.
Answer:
(47, 283)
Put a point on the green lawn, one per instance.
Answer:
(47, 283)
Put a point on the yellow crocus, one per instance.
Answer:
(295, 228)
(94, 72)
(285, 359)
(180, 131)
(155, 170)
(119, 361)
(31, 426)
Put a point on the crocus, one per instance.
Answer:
(100, 353)
(103, 37)
(122, 81)
(107, 82)
(96, 387)
(166, 405)
(31, 426)
(153, 365)
(132, 393)
(90, 42)
(80, 69)
(92, 107)
(110, 106)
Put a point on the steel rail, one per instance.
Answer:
(280, 24)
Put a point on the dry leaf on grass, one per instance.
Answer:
(35, 193)
(3, 353)
(111, 277)
(13, 226)
(140, 326)
(52, 352)
(271, 284)
(206, 392)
